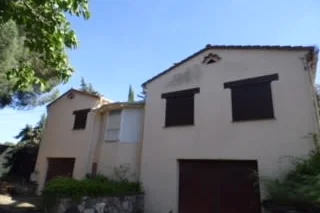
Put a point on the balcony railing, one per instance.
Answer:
(112, 135)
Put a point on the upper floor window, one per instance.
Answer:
(80, 118)
(252, 98)
(180, 107)
(113, 125)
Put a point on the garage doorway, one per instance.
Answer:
(218, 186)
(60, 167)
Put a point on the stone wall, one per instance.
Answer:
(116, 204)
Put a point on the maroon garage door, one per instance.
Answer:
(60, 167)
(215, 186)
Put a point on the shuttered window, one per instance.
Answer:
(113, 125)
(80, 119)
(180, 107)
(252, 98)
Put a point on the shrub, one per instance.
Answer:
(96, 186)
(302, 184)
(92, 186)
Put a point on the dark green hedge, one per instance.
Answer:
(93, 186)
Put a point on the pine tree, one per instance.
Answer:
(131, 95)
(87, 87)
(83, 85)
(142, 95)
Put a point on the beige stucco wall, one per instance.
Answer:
(214, 135)
(115, 154)
(60, 140)
(110, 155)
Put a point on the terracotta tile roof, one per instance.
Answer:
(128, 103)
(121, 105)
(242, 47)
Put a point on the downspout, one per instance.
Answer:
(95, 112)
(91, 140)
(142, 137)
(141, 145)
(97, 148)
(309, 65)
(100, 138)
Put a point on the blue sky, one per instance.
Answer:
(128, 41)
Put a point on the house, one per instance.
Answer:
(221, 116)
(211, 125)
(87, 134)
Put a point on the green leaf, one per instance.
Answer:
(45, 33)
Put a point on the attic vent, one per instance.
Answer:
(70, 95)
(211, 59)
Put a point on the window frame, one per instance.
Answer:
(77, 113)
(245, 84)
(174, 96)
(112, 129)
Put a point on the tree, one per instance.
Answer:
(22, 158)
(143, 95)
(47, 34)
(131, 95)
(7, 143)
(11, 53)
(87, 87)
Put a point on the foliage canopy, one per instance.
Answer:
(302, 184)
(34, 37)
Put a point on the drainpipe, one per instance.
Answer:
(91, 139)
(141, 145)
(308, 67)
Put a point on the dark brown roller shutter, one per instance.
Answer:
(252, 98)
(180, 111)
(180, 107)
(80, 119)
(252, 102)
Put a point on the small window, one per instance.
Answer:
(252, 98)
(113, 125)
(180, 107)
(80, 118)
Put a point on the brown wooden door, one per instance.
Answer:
(218, 187)
(60, 167)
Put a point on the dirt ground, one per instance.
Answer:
(12, 204)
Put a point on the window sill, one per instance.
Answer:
(78, 129)
(111, 141)
(179, 126)
(255, 120)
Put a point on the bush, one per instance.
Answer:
(92, 186)
(302, 184)
(96, 186)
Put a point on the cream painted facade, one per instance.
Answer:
(214, 135)
(87, 145)
(125, 151)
